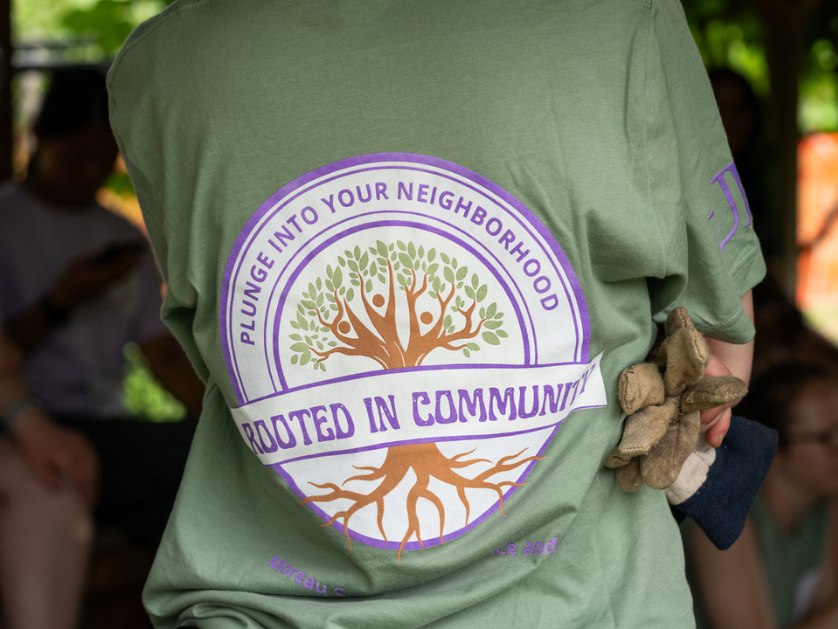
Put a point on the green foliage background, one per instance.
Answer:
(729, 34)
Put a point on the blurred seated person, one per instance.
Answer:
(48, 484)
(783, 570)
(77, 283)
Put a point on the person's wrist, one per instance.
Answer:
(20, 414)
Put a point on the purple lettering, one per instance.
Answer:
(406, 193)
(309, 215)
(471, 404)
(300, 416)
(285, 444)
(293, 221)
(330, 203)
(422, 195)
(479, 215)
(451, 415)
(507, 238)
(384, 412)
(251, 438)
(343, 194)
(360, 194)
(466, 208)
(319, 415)
(265, 260)
(520, 251)
(252, 291)
(550, 302)
(492, 222)
(284, 236)
(542, 284)
(423, 398)
(350, 425)
(522, 412)
(505, 404)
(720, 179)
(260, 426)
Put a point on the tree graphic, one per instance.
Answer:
(328, 322)
(353, 312)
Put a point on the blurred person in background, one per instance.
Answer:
(77, 283)
(48, 485)
(783, 570)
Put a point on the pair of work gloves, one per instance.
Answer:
(662, 445)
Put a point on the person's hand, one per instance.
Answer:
(57, 455)
(88, 277)
(715, 422)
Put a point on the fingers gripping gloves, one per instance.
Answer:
(663, 401)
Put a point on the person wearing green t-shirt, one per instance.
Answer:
(409, 247)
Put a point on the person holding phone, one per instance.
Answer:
(77, 283)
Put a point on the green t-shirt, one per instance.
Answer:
(790, 559)
(403, 242)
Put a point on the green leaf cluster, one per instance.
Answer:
(310, 334)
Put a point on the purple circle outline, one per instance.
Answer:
(435, 162)
(383, 223)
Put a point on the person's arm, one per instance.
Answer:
(727, 359)
(731, 583)
(54, 453)
(732, 586)
(84, 279)
(169, 364)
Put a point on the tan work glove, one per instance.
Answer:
(663, 401)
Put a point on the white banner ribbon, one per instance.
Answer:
(406, 406)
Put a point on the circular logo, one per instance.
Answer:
(404, 339)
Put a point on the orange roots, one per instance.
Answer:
(426, 461)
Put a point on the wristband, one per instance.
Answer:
(55, 314)
(9, 418)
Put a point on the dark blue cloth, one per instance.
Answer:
(721, 505)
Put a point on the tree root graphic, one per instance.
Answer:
(426, 461)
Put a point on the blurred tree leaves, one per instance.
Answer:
(110, 21)
(143, 396)
(105, 22)
(730, 34)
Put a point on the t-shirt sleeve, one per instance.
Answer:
(713, 255)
